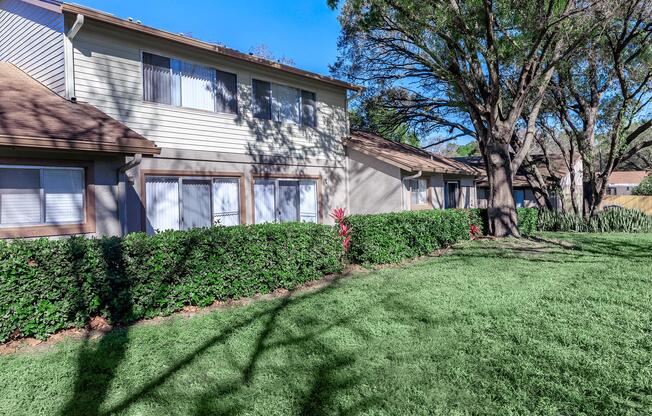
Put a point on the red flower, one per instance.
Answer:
(474, 231)
(338, 215)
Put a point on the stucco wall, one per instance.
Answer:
(374, 186)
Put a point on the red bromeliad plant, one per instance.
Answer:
(338, 215)
(474, 231)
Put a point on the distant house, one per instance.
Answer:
(386, 176)
(523, 193)
(623, 182)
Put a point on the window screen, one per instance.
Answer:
(419, 191)
(308, 109)
(157, 79)
(286, 103)
(226, 93)
(262, 99)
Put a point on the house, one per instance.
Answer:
(385, 176)
(623, 182)
(554, 170)
(110, 126)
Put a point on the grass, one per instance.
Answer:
(506, 327)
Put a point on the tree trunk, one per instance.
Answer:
(502, 208)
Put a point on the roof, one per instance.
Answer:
(633, 177)
(33, 116)
(557, 162)
(206, 46)
(404, 156)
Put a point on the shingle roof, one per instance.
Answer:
(520, 180)
(633, 177)
(32, 116)
(404, 156)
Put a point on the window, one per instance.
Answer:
(451, 194)
(41, 196)
(418, 191)
(483, 193)
(182, 203)
(285, 200)
(186, 84)
(281, 103)
(519, 198)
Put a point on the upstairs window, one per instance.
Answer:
(283, 104)
(185, 84)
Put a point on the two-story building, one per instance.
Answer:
(108, 126)
(224, 137)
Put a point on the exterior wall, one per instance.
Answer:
(621, 189)
(374, 186)
(108, 75)
(467, 197)
(332, 179)
(105, 183)
(529, 202)
(31, 37)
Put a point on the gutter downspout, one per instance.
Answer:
(125, 174)
(407, 178)
(68, 53)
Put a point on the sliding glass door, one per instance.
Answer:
(285, 200)
(183, 203)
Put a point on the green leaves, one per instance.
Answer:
(48, 285)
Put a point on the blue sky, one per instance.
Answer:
(304, 30)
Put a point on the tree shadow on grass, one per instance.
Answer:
(97, 365)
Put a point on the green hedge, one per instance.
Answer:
(48, 285)
(612, 220)
(389, 238)
(527, 219)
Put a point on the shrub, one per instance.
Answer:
(645, 187)
(389, 238)
(48, 285)
(613, 220)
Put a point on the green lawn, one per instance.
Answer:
(516, 327)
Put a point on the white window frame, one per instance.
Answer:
(271, 102)
(277, 195)
(210, 178)
(171, 105)
(41, 170)
(417, 192)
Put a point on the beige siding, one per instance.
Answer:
(31, 38)
(108, 75)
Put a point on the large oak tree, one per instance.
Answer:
(474, 67)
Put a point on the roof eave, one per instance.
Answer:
(47, 143)
(231, 53)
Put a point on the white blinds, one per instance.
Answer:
(64, 195)
(197, 85)
(162, 195)
(286, 104)
(264, 196)
(308, 192)
(20, 196)
(196, 203)
(226, 201)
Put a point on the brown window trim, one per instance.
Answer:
(297, 176)
(156, 172)
(87, 227)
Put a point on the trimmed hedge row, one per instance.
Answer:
(392, 237)
(48, 285)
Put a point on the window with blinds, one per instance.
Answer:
(418, 191)
(33, 195)
(182, 203)
(186, 84)
(283, 104)
(285, 200)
